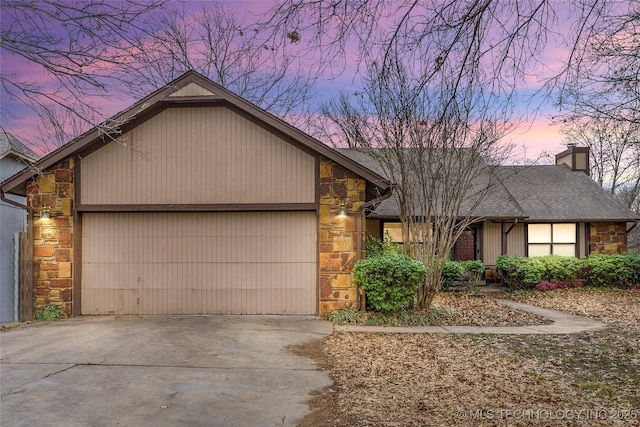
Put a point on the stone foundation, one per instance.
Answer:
(608, 238)
(53, 238)
(338, 235)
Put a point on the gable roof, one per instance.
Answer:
(498, 204)
(531, 193)
(556, 193)
(11, 146)
(191, 89)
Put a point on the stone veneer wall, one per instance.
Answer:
(608, 238)
(53, 238)
(338, 235)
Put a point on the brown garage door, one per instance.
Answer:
(199, 263)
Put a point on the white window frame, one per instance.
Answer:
(552, 239)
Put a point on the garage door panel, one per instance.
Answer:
(199, 301)
(199, 263)
(123, 249)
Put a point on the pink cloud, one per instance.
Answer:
(538, 135)
(533, 140)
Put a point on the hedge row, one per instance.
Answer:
(622, 271)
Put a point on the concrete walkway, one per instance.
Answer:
(563, 323)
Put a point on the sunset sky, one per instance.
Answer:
(533, 137)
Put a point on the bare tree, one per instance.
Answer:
(432, 141)
(601, 79)
(74, 45)
(438, 96)
(509, 33)
(473, 56)
(226, 46)
(614, 149)
(99, 51)
(599, 97)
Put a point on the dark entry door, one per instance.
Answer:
(465, 246)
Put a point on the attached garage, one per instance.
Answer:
(195, 201)
(199, 263)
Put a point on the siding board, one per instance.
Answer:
(492, 242)
(192, 89)
(199, 263)
(516, 240)
(198, 156)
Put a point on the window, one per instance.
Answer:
(395, 231)
(556, 239)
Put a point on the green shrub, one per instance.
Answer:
(598, 270)
(475, 269)
(452, 272)
(374, 246)
(456, 271)
(622, 271)
(632, 264)
(389, 279)
(559, 269)
(518, 272)
(50, 312)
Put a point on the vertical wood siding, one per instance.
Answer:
(198, 156)
(199, 263)
(582, 240)
(12, 221)
(192, 89)
(492, 242)
(516, 240)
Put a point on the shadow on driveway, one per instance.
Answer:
(159, 371)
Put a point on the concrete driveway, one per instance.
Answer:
(159, 371)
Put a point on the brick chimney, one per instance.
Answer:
(576, 158)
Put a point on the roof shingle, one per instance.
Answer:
(535, 193)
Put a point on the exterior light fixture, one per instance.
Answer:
(45, 213)
(343, 210)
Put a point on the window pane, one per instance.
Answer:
(564, 233)
(564, 250)
(539, 233)
(395, 231)
(539, 250)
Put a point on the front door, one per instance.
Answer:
(465, 246)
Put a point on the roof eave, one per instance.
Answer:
(18, 154)
(159, 101)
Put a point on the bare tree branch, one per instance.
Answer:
(230, 50)
(76, 45)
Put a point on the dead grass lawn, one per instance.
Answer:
(487, 380)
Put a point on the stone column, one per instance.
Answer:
(53, 238)
(338, 234)
(608, 238)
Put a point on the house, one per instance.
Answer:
(14, 156)
(194, 201)
(530, 211)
